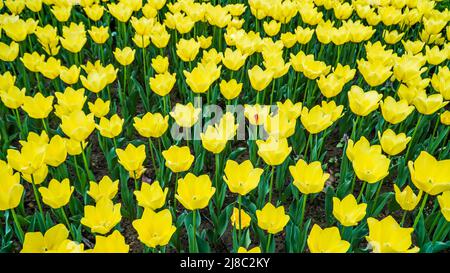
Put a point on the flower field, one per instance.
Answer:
(299, 126)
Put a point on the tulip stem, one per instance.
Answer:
(424, 201)
(403, 218)
(377, 194)
(412, 138)
(240, 219)
(45, 126)
(19, 122)
(268, 242)
(36, 196)
(150, 147)
(174, 193)
(194, 226)
(271, 183)
(18, 227)
(305, 156)
(361, 192)
(86, 165)
(63, 212)
(302, 215)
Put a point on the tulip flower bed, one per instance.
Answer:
(224, 126)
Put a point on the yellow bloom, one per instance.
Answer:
(121, 11)
(70, 75)
(54, 240)
(194, 192)
(271, 218)
(413, 47)
(160, 64)
(231, 89)
(99, 34)
(102, 217)
(327, 240)
(280, 125)
(99, 108)
(444, 203)
(406, 198)
(256, 249)
(185, 115)
(162, 84)
(394, 111)
(110, 128)
(259, 79)
(363, 103)
(32, 61)
(392, 37)
(316, 119)
(187, 50)
(331, 85)
(151, 125)
(233, 60)
(94, 12)
(362, 146)
(435, 56)
(10, 188)
(56, 152)
(392, 143)
(151, 196)
(124, 56)
(272, 28)
(332, 109)
(241, 178)
(386, 236)
(77, 125)
(132, 157)
(57, 194)
(306, 64)
(256, 114)
(273, 151)
(178, 159)
(28, 160)
(154, 228)
(114, 243)
(374, 73)
(440, 80)
(13, 97)
(429, 174)
(244, 220)
(38, 176)
(445, 118)
(288, 108)
(38, 107)
(202, 76)
(105, 188)
(214, 139)
(205, 42)
(308, 178)
(9, 53)
(428, 105)
(371, 166)
(347, 211)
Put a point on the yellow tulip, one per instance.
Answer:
(347, 211)
(185, 115)
(233, 60)
(428, 105)
(288, 108)
(242, 222)
(214, 139)
(10, 188)
(151, 125)
(9, 53)
(445, 118)
(160, 64)
(110, 128)
(194, 192)
(54, 240)
(308, 178)
(99, 108)
(154, 228)
(38, 107)
(56, 152)
(406, 198)
(57, 194)
(77, 125)
(362, 146)
(272, 219)
(151, 196)
(394, 111)
(392, 143)
(386, 236)
(162, 84)
(444, 204)
(132, 157)
(259, 79)
(124, 56)
(230, 89)
(316, 119)
(327, 240)
(273, 151)
(178, 159)
(429, 174)
(256, 114)
(99, 34)
(13, 97)
(187, 50)
(114, 243)
(105, 188)
(363, 103)
(102, 217)
(256, 249)
(371, 166)
(241, 178)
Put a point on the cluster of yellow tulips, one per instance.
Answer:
(325, 126)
